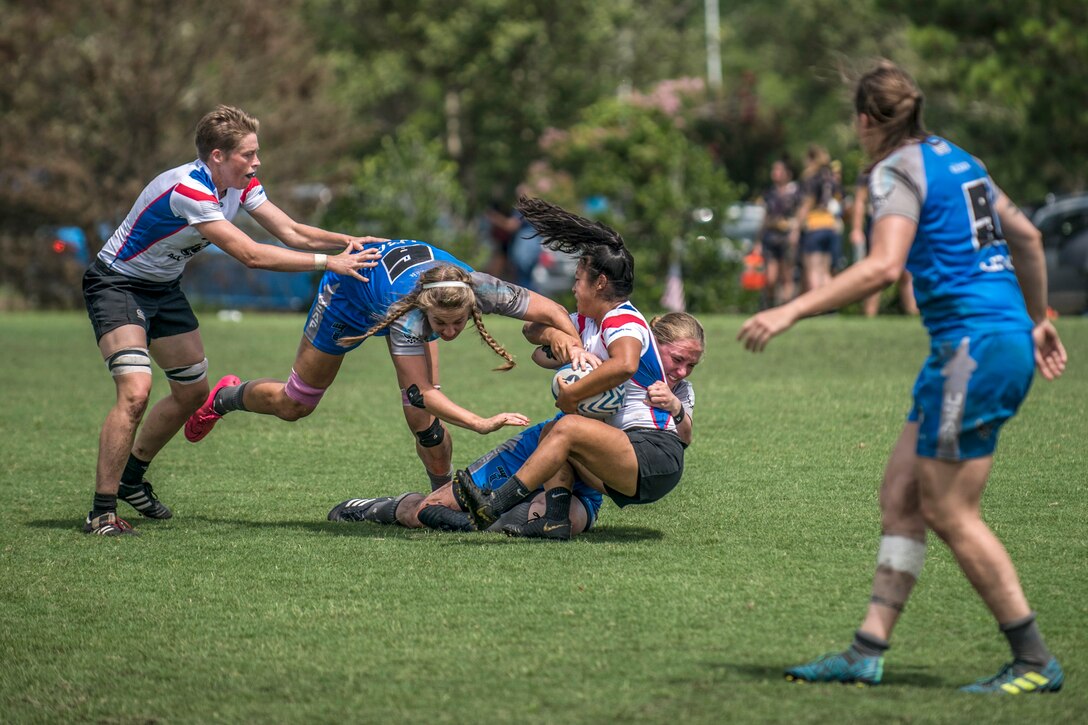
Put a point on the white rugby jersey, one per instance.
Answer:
(626, 321)
(157, 238)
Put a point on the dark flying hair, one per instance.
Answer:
(601, 248)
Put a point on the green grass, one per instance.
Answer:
(249, 607)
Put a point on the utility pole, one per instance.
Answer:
(713, 46)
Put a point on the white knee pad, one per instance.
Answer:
(188, 374)
(902, 554)
(129, 361)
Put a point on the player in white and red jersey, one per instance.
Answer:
(626, 321)
(139, 313)
(638, 462)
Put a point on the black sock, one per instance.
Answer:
(134, 471)
(439, 480)
(509, 495)
(866, 645)
(1025, 641)
(230, 398)
(104, 503)
(557, 504)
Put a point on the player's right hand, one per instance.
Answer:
(758, 330)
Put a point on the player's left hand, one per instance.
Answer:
(488, 425)
(1050, 354)
(758, 330)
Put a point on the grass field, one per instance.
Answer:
(248, 606)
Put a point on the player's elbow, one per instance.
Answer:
(251, 257)
(889, 273)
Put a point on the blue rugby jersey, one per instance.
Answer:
(364, 304)
(964, 281)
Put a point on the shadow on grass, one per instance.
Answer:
(607, 535)
(901, 676)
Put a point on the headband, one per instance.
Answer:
(432, 285)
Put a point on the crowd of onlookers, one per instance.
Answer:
(806, 217)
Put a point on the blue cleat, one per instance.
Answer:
(836, 668)
(1030, 678)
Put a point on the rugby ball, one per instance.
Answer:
(599, 406)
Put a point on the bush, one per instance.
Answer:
(408, 190)
(637, 155)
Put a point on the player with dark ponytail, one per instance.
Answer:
(636, 455)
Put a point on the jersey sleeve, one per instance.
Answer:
(497, 297)
(193, 202)
(407, 336)
(625, 326)
(686, 393)
(897, 186)
(253, 195)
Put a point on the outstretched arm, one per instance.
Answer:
(413, 372)
(238, 244)
(303, 236)
(891, 239)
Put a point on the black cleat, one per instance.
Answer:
(358, 509)
(108, 524)
(474, 500)
(444, 519)
(540, 528)
(142, 498)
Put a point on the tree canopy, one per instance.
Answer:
(99, 97)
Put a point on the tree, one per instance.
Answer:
(99, 97)
(489, 76)
(1006, 80)
(635, 153)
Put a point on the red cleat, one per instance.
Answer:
(204, 419)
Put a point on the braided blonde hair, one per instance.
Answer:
(446, 299)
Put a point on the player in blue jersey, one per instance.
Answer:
(440, 510)
(637, 456)
(681, 341)
(938, 212)
(139, 313)
(418, 294)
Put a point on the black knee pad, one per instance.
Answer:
(415, 398)
(433, 436)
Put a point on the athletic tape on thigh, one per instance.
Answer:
(128, 361)
(902, 554)
(189, 374)
(302, 392)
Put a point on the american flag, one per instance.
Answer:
(672, 299)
